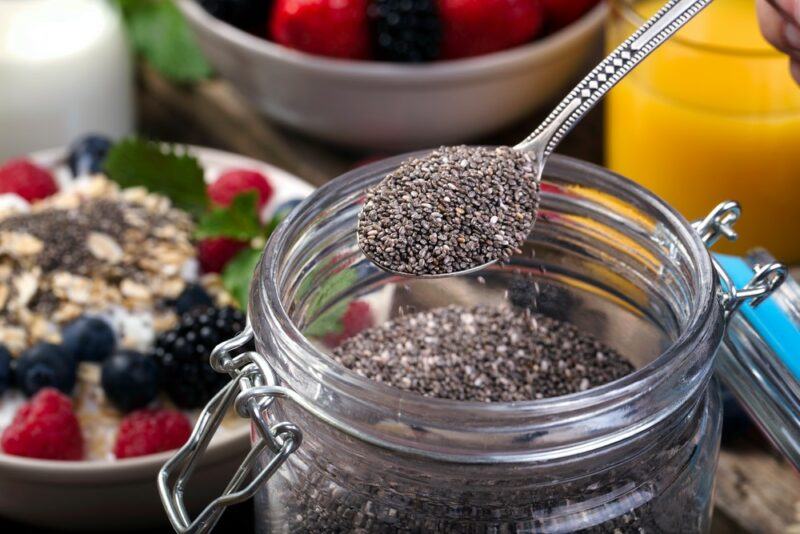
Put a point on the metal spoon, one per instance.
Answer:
(544, 140)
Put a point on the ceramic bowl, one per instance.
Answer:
(389, 106)
(122, 494)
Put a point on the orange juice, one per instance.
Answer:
(713, 114)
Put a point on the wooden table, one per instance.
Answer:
(757, 491)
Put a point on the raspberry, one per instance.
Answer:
(475, 27)
(356, 318)
(46, 428)
(215, 253)
(27, 180)
(150, 431)
(334, 28)
(560, 13)
(232, 183)
(408, 31)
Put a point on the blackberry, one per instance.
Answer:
(248, 15)
(407, 31)
(183, 352)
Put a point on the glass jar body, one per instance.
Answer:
(335, 484)
(637, 454)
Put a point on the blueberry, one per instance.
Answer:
(5, 369)
(86, 155)
(89, 339)
(130, 380)
(45, 365)
(194, 296)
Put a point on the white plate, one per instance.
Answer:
(104, 495)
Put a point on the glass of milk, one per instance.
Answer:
(65, 71)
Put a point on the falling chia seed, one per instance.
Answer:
(455, 209)
(483, 353)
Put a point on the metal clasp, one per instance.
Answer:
(252, 390)
(767, 278)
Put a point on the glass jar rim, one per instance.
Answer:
(266, 301)
(628, 12)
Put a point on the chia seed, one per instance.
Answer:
(483, 353)
(65, 233)
(452, 210)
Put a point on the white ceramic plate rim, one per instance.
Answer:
(287, 186)
(549, 46)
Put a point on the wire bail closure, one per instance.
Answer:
(767, 278)
(251, 391)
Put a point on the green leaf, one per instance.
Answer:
(329, 322)
(159, 33)
(331, 288)
(239, 220)
(237, 275)
(161, 169)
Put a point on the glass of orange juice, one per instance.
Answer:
(712, 114)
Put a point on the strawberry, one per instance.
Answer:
(560, 13)
(334, 28)
(150, 431)
(46, 428)
(214, 253)
(27, 180)
(475, 27)
(232, 183)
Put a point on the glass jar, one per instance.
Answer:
(713, 108)
(344, 453)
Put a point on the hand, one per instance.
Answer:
(783, 35)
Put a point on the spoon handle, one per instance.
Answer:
(604, 76)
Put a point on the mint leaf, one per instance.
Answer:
(238, 273)
(329, 322)
(331, 288)
(137, 163)
(160, 34)
(239, 220)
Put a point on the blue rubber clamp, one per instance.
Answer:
(773, 325)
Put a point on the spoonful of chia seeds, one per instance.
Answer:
(459, 209)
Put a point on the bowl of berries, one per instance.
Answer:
(121, 266)
(395, 75)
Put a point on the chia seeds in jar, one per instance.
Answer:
(482, 353)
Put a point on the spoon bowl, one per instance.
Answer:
(431, 276)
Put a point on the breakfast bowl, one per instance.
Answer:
(392, 106)
(104, 490)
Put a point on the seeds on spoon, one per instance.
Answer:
(455, 209)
